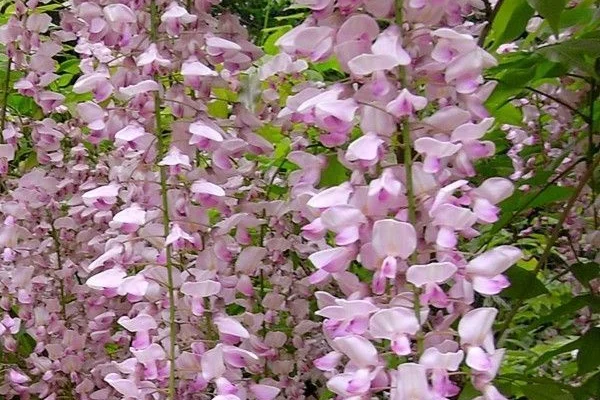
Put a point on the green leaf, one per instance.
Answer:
(269, 45)
(213, 215)
(530, 200)
(111, 348)
(30, 162)
(270, 132)
(590, 389)
(331, 70)
(523, 284)
(326, 395)
(575, 53)
(235, 309)
(570, 346)
(550, 10)
(218, 109)
(330, 64)
(25, 343)
(569, 308)
(24, 106)
(585, 272)
(588, 357)
(468, 392)
(334, 174)
(70, 66)
(581, 15)
(510, 22)
(313, 75)
(64, 80)
(282, 148)
(545, 392)
(225, 94)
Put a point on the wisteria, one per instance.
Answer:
(195, 219)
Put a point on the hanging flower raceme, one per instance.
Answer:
(191, 220)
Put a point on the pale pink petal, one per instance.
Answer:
(141, 322)
(366, 64)
(360, 350)
(131, 215)
(475, 325)
(193, 67)
(435, 148)
(387, 324)
(264, 392)
(331, 260)
(201, 289)
(338, 217)
(341, 109)
(469, 131)
(389, 42)
(119, 13)
(126, 387)
(406, 104)
(134, 285)
(411, 383)
(329, 361)
(420, 275)
(205, 187)
(231, 327)
(490, 286)
(140, 87)
(394, 238)
(334, 196)
(213, 365)
(494, 262)
(358, 26)
(494, 189)
(109, 279)
(478, 359)
(199, 128)
(433, 358)
(107, 255)
(364, 148)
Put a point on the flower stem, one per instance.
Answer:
(5, 98)
(412, 218)
(410, 191)
(161, 147)
(56, 239)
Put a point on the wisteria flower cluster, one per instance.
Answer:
(170, 228)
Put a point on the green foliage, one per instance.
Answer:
(550, 10)
(273, 35)
(550, 353)
(25, 343)
(334, 174)
(523, 284)
(257, 15)
(509, 22)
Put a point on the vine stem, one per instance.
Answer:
(547, 250)
(56, 239)
(410, 191)
(161, 150)
(266, 22)
(5, 99)
(591, 148)
(412, 218)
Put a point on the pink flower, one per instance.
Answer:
(406, 104)
(395, 324)
(174, 17)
